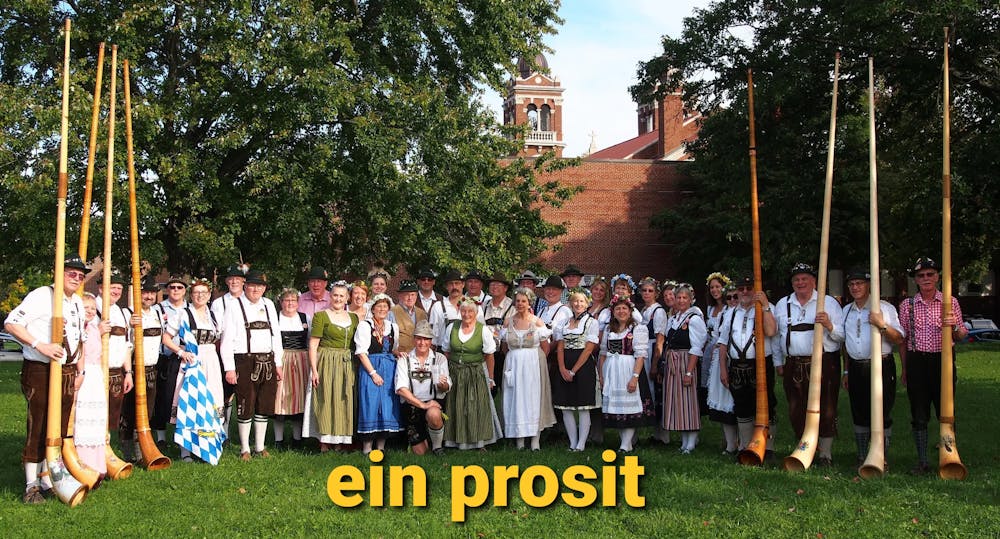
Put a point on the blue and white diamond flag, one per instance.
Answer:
(198, 427)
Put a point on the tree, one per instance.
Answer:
(790, 45)
(340, 133)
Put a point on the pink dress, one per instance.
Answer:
(91, 421)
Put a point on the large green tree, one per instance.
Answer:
(790, 45)
(343, 133)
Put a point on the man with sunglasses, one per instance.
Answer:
(31, 324)
(426, 296)
(169, 363)
(922, 321)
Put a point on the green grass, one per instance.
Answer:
(703, 494)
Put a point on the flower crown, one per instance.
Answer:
(668, 283)
(623, 277)
(616, 299)
(579, 290)
(201, 282)
(720, 276)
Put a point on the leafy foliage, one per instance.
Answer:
(340, 133)
(790, 45)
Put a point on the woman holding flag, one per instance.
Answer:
(198, 399)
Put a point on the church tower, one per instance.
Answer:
(535, 99)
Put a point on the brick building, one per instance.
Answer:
(624, 185)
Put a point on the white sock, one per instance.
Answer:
(569, 419)
(536, 442)
(31, 475)
(745, 429)
(825, 447)
(259, 432)
(279, 429)
(520, 443)
(626, 436)
(243, 426)
(185, 453)
(436, 436)
(772, 432)
(297, 428)
(584, 429)
(226, 415)
(732, 440)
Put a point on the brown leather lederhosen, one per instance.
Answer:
(257, 381)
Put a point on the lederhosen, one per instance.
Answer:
(416, 418)
(256, 379)
(859, 388)
(743, 377)
(167, 369)
(127, 425)
(500, 355)
(35, 388)
(923, 377)
(796, 382)
(116, 378)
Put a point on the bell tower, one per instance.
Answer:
(535, 99)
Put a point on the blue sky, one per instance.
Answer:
(596, 54)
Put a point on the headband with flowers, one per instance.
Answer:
(720, 276)
(201, 282)
(580, 290)
(623, 277)
(668, 284)
(616, 299)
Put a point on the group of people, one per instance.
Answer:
(493, 358)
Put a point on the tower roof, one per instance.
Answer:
(525, 69)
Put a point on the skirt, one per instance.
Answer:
(472, 417)
(525, 394)
(91, 420)
(621, 408)
(720, 399)
(333, 401)
(680, 402)
(582, 392)
(295, 371)
(378, 406)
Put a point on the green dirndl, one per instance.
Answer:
(472, 417)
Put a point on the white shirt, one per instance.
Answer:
(659, 316)
(221, 305)
(695, 327)
(441, 315)
(119, 346)
(553, 315)
(801, 341)
(737, 332)
(427, 302)
(363, 336)
(604, 317)
(856, 331)
(168, 311)
(588, 326)
(151, 345)
(489, 345)
(425, 389)
(35, 314)
(234, 332)
(640, 340)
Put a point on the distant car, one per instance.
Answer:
(979, 323)
(8, 342)
(983, 335)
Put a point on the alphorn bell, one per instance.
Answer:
(802, 456)
(753, 453)
(152, 458)
(68, 488)
(874, 463)
(117, 468)
(949, 464)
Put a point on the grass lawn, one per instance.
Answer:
(703, 494)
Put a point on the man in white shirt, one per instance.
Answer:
(169, 363)
(474, 287)
(796, 315)
(235, 280)
(856, 334)
(251, 356)
(152, 329)
(31, 324)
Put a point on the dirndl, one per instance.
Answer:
(291, 396)
(472, 417)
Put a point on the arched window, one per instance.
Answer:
(546, 120)
(533, 117)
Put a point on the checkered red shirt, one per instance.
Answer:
(922, 322)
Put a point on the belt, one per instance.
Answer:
(118, 331)
(256, 356)
(885, 357)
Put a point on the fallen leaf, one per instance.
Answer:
(819, 536)
(856, 479)
(791, 509)
(242, 490)
(704, 523)
(800, 492)
(914, 520)
(827, 477)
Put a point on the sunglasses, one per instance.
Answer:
(732, 296)
(176, 287)
(75, 274)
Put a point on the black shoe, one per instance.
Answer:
(770, 457)
(439, 452)
(279, 445)
(296, 445)
(824, 462)
(920, 469)
(33, 495)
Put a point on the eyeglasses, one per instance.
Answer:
(644, 290)
(732, 296)
(925, 274)
(426, 279)
(200, 292)
(176, 287)
(75, 274)
(744, 288)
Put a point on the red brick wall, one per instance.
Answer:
(609, 222)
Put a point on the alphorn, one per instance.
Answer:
(753, 453)
(152, 458)
(802, 456)
(949, 464)
(68, 488)
(117, 468)
(74, 464)
(874, 464)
